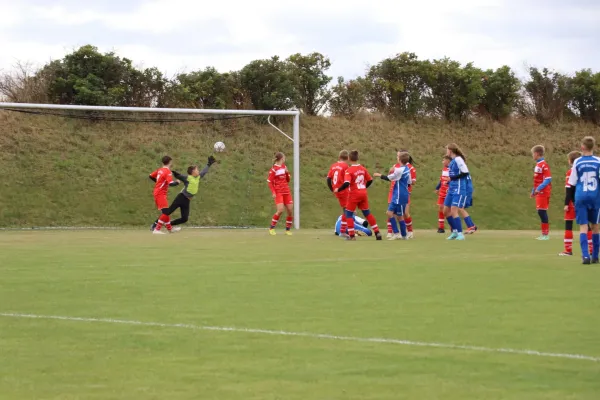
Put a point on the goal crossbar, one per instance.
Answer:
(293, 113)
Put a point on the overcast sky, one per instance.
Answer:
(177, 35)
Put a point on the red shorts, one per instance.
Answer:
(542, 202)
(360, 201)
(342, 198)
(441, 200)
(161, 201)
(284, 199)
(570, 213)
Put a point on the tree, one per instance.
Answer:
(311, 81)
(454, 91)
(270, 84)
(25, 85)
(585, 91)
(397, 86)
(348, 98)
(501, 93)
(207, 88)
(546, 95)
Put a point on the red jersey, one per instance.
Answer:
(567, 185)
(278, 179)
(163, 177)
(413, 176)
(444, 180)
(540, 173)
(337, 173)
(357, 176)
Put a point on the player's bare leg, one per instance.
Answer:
(290, 219)
(408, 221)
(394, 226)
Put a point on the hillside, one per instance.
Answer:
(63, 172)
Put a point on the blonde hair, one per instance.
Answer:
(538, 149)
(344, 155)
(453, 147)
(588, 143)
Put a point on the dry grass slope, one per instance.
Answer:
(61, 172)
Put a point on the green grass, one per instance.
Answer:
(60, 172)
(496, 290)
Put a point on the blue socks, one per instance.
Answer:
(583, 242)
(402, 228)
(595, 245)
(458, 224)
(469, 222)
(394, 224)
(451, 223)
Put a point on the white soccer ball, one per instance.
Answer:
(219, 147)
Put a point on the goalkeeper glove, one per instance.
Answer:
(211, 160)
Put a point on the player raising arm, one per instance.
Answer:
(183, 200)
(278, 180)
(335, 179)
(356, 181)
(163, 178)
(585, 191)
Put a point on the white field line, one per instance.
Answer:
(309, 335)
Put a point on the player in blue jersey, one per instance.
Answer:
(585, 191)
(401, 178)
(460, 190)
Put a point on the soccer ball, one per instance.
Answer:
(219, 147)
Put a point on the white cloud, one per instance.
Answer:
(190, 34)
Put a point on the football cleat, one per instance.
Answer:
(153, 226)
(543, 237)
(410, 235)
(441, 230)
(471, 230)
(288, 233)
(272, 232)
(565, 254)
(460, 236)
(378, 236)
(452, 236)
(389, 235)
(595, 261)
(157, 232)
(586, 261)
(175, 229)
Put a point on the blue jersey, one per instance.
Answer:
(585, 176)
(461, 185)
(402, 179)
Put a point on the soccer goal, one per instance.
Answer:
(27, 132)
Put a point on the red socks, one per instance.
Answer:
(441, 219)
(389, 226)
(344, 225)
(275, 220)
(590, 244)
(350, 222)
(372, 222)
(568, 241)
(164, 220)
(408, 221)
(545, 228)
(288, 222)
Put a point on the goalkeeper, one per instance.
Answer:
(191, 183)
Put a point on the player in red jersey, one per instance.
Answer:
(357, 180)
(442, 190)
(335, 179)
(407, 217)
(163, 179)
(570, 212)
(279, 179)
(542, 187)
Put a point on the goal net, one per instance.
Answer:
(88, 166)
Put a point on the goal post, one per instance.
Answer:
(292, 113)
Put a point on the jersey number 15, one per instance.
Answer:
(589, 181)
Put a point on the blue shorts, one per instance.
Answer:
(587, 214)
(458, 200)
(397, 209)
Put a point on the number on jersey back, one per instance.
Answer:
(585, 176)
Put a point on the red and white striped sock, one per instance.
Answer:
(568, 241)
(441, 220)
(372, 222)
(408, 221)
(288, 222)
(274, 220)
(351, 227)
(590, 242)
(389, 226)
(344, 225)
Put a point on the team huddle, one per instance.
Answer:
(349, 181)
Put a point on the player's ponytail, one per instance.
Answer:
(453, 147)
(278, 157)
(411, 161)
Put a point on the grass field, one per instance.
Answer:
(154, 313)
